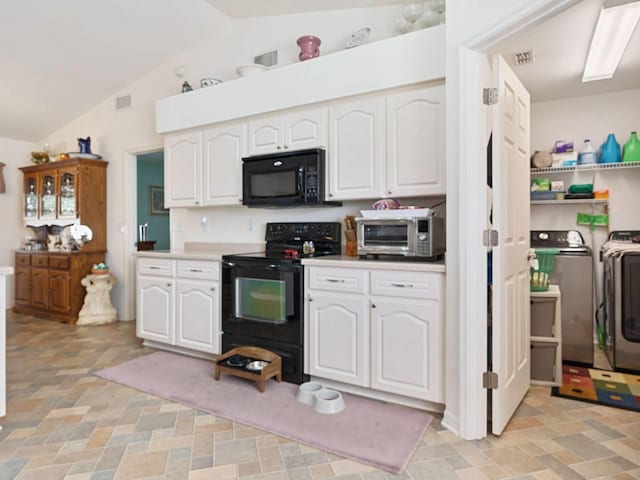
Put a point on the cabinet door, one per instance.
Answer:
(198, 315)
(416, 143)
(31, 197)
(48, 198)
(357, 149)
(40, 287)
(339, 337)
(59, 295)
(305, 129)
(67, 193)
(406, 348)
(224, 148)
(266, 135)
(22, 285)
(154, 305)
(183, 170)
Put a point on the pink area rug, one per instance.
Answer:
(369, 431)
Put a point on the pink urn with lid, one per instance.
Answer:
(308, 47)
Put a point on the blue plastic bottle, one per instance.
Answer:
(587, 154)
(610, 150)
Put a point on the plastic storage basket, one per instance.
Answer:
(540, 277)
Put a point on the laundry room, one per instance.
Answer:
(579, 201)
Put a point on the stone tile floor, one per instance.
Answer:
(64, 422)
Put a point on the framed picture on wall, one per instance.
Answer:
(156, 201)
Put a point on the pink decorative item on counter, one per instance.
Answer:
(308, 47)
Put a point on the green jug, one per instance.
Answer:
(631, 151)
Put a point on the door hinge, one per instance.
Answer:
(490, 380)
(490, 238)
(489, 96)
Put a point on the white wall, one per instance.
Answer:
(231, 43)
(15, 154)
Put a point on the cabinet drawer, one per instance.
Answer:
(40, 260)
(23, 260)
(406, 284)
(343, 280)
(156, 266)
(59, 262)
(199, 269)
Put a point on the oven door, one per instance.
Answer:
(262, 300)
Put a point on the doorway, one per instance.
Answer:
(150, 210)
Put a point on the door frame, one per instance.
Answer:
(472, 126)
(130, 228)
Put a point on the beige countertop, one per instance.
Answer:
(354, 262)
(204, 251)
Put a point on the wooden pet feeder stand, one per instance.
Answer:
(272, 369)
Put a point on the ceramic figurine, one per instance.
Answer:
(84, 145)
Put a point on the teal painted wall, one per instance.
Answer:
(150, 172)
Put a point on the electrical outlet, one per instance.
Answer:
(178, 226)
(204, 221)
(252, 224)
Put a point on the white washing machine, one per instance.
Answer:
(621, 322)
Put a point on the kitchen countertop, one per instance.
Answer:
(355, 262)
(204, 251)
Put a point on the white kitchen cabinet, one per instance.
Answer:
(197, 315)
(379, 329)
(339, 335)
(405, 347)
(296, 130)
(154, 305)
(178, 304)
(224, 148)
(416, 142)
(183, 169)
(357, 147)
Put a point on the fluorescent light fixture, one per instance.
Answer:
(617, 20)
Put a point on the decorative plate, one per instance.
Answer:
(358, 38)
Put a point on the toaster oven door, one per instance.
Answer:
(387, 236)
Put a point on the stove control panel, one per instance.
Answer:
(314, 231)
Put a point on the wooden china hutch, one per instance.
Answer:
(59, 194)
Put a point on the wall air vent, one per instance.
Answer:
(523, 58)
(123, 102)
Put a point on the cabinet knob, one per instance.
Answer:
(197, 202)
(213, 289)
(310, 299)
(331, 194)
(239, 200)
(286, 146)
(373, 305)
(389, 192)
(168, 284)
(279, 147)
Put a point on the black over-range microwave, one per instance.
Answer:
(285, 179)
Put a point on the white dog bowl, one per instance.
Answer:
(328, 401)
(307, 391)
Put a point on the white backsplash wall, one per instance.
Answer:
(247, 225)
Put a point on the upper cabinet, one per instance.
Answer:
(297, 130)
(68, 192)
(416, 143)
(183, 169)
(356, 150)
(224, 148)
(388, 146)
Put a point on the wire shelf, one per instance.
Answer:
(586, 168)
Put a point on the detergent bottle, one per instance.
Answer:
(610, 150)
(587, 154)
(632, 149)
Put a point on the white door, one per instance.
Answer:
(266, 135)
(154, 317)
(197, 317)
(416, 143)
(224, 148)
(510, 320)
(183, 170)
(357, 138)
(339, 337)
(306, 129)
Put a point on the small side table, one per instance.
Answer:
(97, 308)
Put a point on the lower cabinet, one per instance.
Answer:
(48, 284)
(385, 334)
(178, 303)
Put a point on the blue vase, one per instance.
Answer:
(610, 150)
